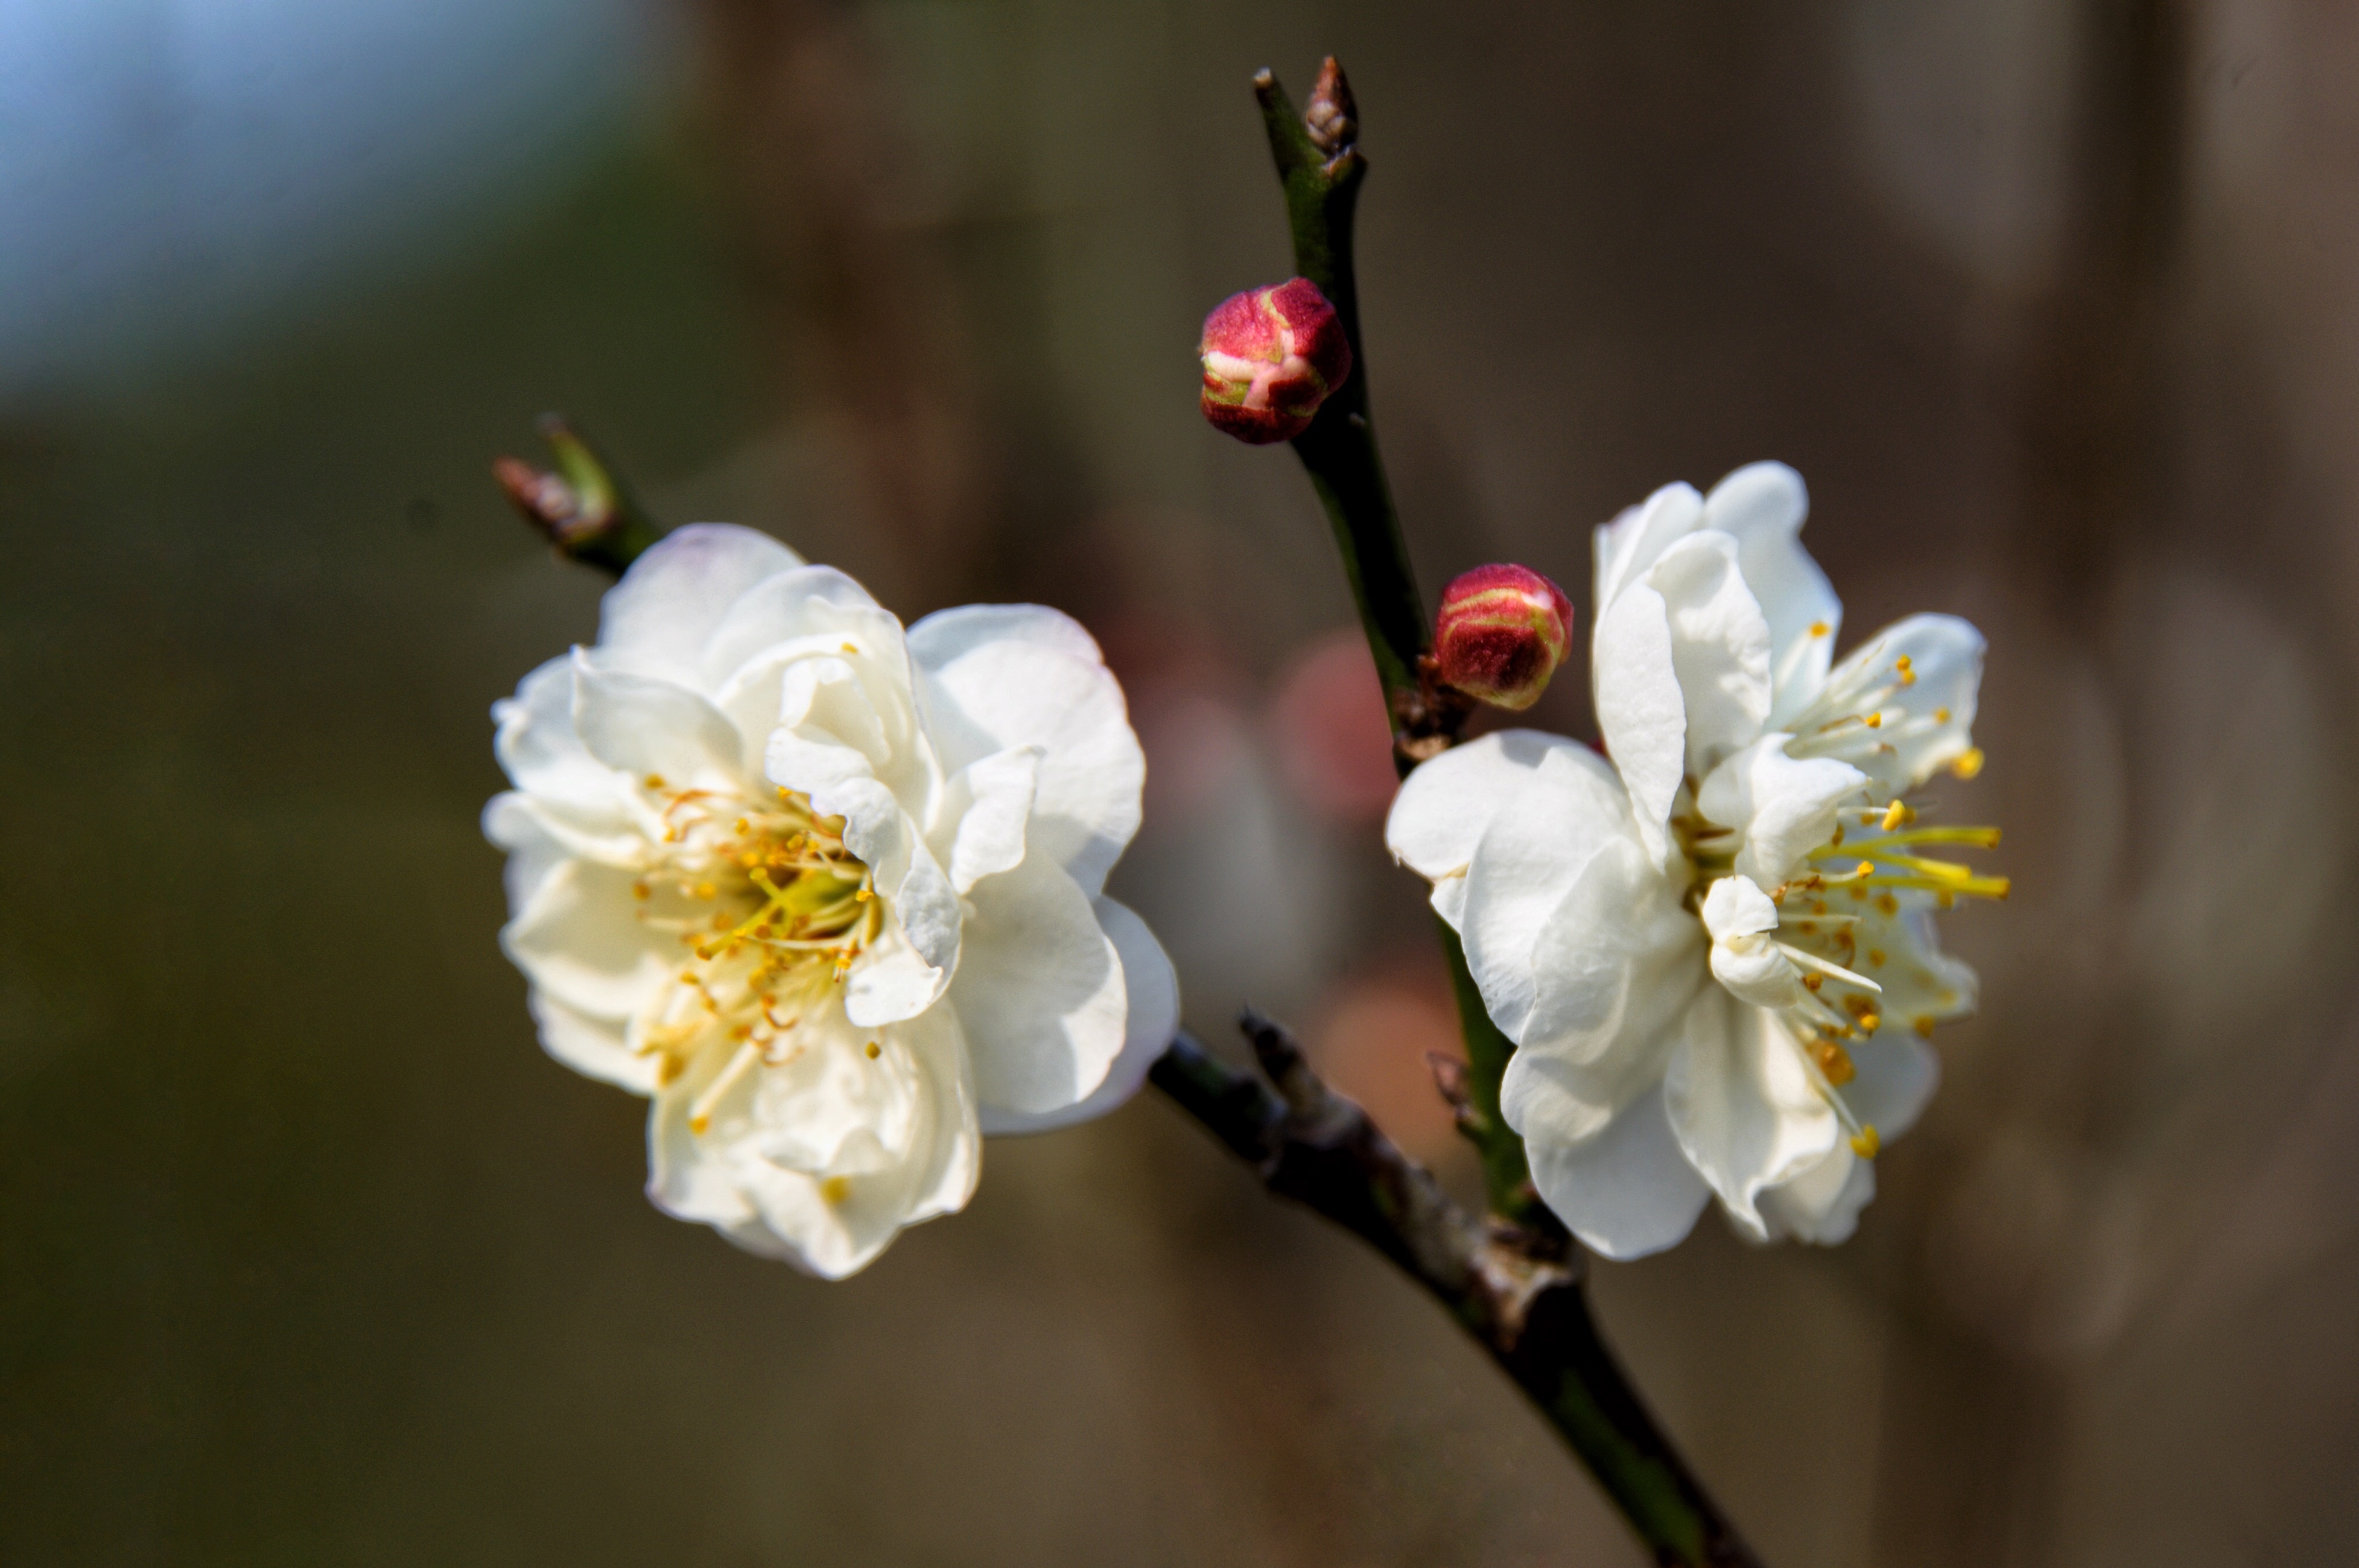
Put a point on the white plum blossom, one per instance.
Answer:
(1714, 953)
(828, 892)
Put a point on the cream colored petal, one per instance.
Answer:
(1627, 1192)
(655, 621)
(1039, 992)
(1743, 1106)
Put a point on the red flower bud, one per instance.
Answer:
(1501, 634)
(1271, 357)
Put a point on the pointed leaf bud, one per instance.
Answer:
(1271, 357)
(1502, 632)
(1331, 117)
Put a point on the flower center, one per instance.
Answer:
(1840, 924)
(770, 910)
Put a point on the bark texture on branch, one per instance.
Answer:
(1516, 1289)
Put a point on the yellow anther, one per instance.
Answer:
(1819, 628)
(1869, 1022)
(1940, 716)
(861, 896)
(1867, 1144)
(1874, 720)
(1908, 675)
(1894, 815)
(706, 890)
(1924, 1024)
(1864, 869)
(1969, 763)
(641, 889)
(1834, 1062)
(1814, 982)
(697, 1124)
(742, 1031)
(1875, 957)
(874, 1050)
(1887, 904)
(835, 1189)
(742, 826)
(849, 647)
(655, 780)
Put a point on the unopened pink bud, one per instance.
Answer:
(1501, 634)
(1271, 357)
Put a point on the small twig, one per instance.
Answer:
(582, 507)
(1516, 1289)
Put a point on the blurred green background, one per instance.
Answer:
(308, 1255)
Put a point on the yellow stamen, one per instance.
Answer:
(1908, 675)
(835, 1189)
(874, 1050)
(1969, 763)
(655, 780)
(1867, 1145)
(1819, 628)
(1834, 1062)
(1893, 816)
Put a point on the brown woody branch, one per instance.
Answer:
(1515, 1289)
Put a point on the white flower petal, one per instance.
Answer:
(1720, 645)
(1781, 807)
(1922, 985)
(1152, 994)
(1615, 963)
(1530, 864)
(1628, 1190)
(999, 676)
(578, 939)
(825, 699)
(1681, 664)
(1897, 1075)
(986, 806)
(1444, 806)
(1744, 1107)
(806, 602)
(1634, 540)
(1923, 723)
(1641, 712)
(539, 750)
(1736, 914)
(896, 1149)
(1039, 992)
(644, 725)
(656, 619)
(1762, 506)
(1822, 1206)
(592, 1047)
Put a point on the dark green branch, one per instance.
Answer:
(1517, 1290)
(1320, 168)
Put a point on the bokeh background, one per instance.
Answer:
(309, 1256)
